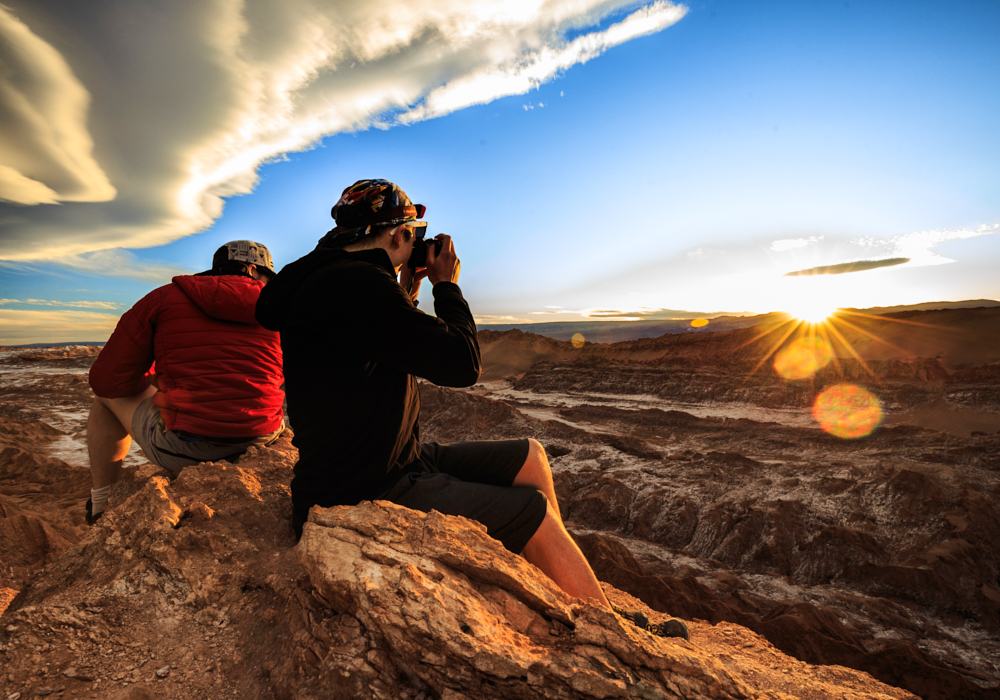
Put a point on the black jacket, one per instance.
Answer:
(352, 342)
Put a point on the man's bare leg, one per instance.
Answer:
(551, 548)
(108, 438)
(553, 551)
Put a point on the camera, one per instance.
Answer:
(419, 256)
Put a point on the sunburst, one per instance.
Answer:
(812, 311)
(806, 341)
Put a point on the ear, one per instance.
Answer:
(399, 236)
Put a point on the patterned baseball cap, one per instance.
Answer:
(244, 251)
(371, 202)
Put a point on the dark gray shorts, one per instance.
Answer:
(473, 479)
(175, 450)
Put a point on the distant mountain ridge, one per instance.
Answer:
(957, 338)
(618, 331)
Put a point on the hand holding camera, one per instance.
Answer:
(419, 256)
(443, 266)
(438, 257)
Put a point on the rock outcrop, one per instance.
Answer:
(790, 552)
(192, 589)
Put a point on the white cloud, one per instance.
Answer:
(108, 305)
(188, 99)
(19, 327)
(522, 72)
(121, 263)
(794, 243)
(45, 146)
(919, 246)
(489, 320)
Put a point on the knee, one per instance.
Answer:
(536, 453)
(535, 471)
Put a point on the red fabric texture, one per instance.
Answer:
(217, 369)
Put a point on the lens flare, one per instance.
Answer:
(803, 358)
(847, 411)
(578, 340)
(699, 323)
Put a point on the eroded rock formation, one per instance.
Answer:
(735, 513)
(191, 589)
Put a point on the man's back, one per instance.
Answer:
(352, 341)
(218, 371)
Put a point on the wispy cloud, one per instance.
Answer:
(108, 305)
(520, 73)
(844, 268)
(919, 246)
(114, 262)
(647, 314)
(121, 263)
(794, 243)
(22, 326)
(635, 314)
(240, 84)
(497, 320)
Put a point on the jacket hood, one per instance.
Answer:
(225, 297)
(277, 297)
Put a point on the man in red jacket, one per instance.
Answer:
(188, 373)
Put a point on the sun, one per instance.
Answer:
(811, 312)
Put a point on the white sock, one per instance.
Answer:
(98, 497)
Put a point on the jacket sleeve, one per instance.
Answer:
(122, 368)
(443, 350)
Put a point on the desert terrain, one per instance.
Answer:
(694, 470)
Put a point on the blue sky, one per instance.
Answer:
(687, 167)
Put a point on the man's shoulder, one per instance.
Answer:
(357, 267)
(154, 298)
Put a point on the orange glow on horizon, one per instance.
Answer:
(699, 323)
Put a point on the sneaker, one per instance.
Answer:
(91, 519)
(670, 628)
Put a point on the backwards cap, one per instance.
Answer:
(245, 252)
(369, 203)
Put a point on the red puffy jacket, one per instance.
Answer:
(218, 371)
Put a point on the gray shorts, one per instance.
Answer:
(474, 480)
(174, 450)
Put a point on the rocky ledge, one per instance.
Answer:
(194, 588)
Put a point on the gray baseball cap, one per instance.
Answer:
(249, 252)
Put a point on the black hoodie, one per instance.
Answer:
(353, 342)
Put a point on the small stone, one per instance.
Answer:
(44, 691)
(14, 696)
(70, 672)
(163, 672)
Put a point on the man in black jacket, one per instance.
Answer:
(354, 342)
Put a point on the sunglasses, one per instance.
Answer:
(419, 228)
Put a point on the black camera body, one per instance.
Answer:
(418, 258)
